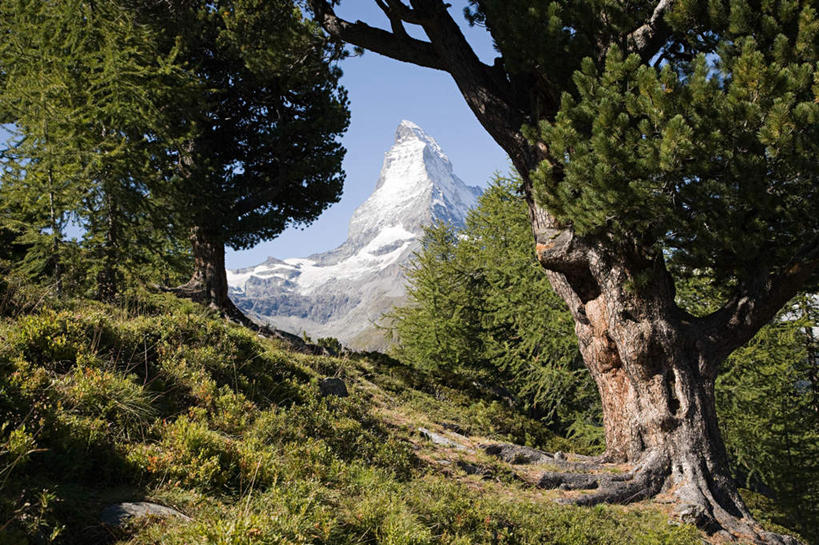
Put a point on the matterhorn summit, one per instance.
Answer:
(343, 292)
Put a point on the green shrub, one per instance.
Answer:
(99, 393)
(190, 453)
(171, 404)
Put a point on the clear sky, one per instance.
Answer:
(382, 92)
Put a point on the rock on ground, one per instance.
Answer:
(120, 513)
(333, 387)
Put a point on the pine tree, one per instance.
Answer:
(766, 392)
(267, 115)
(647, 134)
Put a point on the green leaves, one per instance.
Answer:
(86, 89)
(267, 111)
(767, 397)
(712, 158)
(481, 309)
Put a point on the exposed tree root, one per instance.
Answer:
(644, 481)
(713, 507)
(226, 308)
(517, 454)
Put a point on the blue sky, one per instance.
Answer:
(382, 92)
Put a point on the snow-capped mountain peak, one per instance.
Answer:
(341, 292)
(416, 187)
(408, 131)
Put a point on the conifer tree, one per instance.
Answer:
(440, 327)
(480, 310)
(267, 115)
(651, 134)
(766, 400)
(86, 92)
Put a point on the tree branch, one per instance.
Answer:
(560, 251)
(728, 328)
(395, 21)
(406, 13)
(647, 40)
(396, 46)
(486, 89)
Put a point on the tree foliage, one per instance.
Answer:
(709, 155)
(134, 122)
(87, 93)
(480, 309)
(768, 401)
(267, 114)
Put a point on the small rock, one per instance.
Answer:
(470, 469)
(119, 513)
(516, 454)
(559, 455)
(332, 386)
(440, 440)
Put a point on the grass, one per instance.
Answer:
(158, 399)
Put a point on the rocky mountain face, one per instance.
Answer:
(342, 293)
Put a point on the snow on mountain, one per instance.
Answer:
(343, 292)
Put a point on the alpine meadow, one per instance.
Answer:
(616, 342)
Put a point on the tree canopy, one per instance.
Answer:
(87, 93)
(267, 113)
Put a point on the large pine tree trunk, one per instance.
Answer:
(209, 277)
(658, 411)
(656, 384)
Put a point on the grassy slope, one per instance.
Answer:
(162, 401)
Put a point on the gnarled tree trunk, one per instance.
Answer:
(655, 376)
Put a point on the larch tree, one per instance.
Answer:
(655, 139)
(267, 116)
(480, 312)
(85, 93)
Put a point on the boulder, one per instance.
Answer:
(516, 454)
(332, 386)
(440, 440)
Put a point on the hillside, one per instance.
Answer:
(158, 400)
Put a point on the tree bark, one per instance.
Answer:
(655, 382)
(209, 275)
(208, 284)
